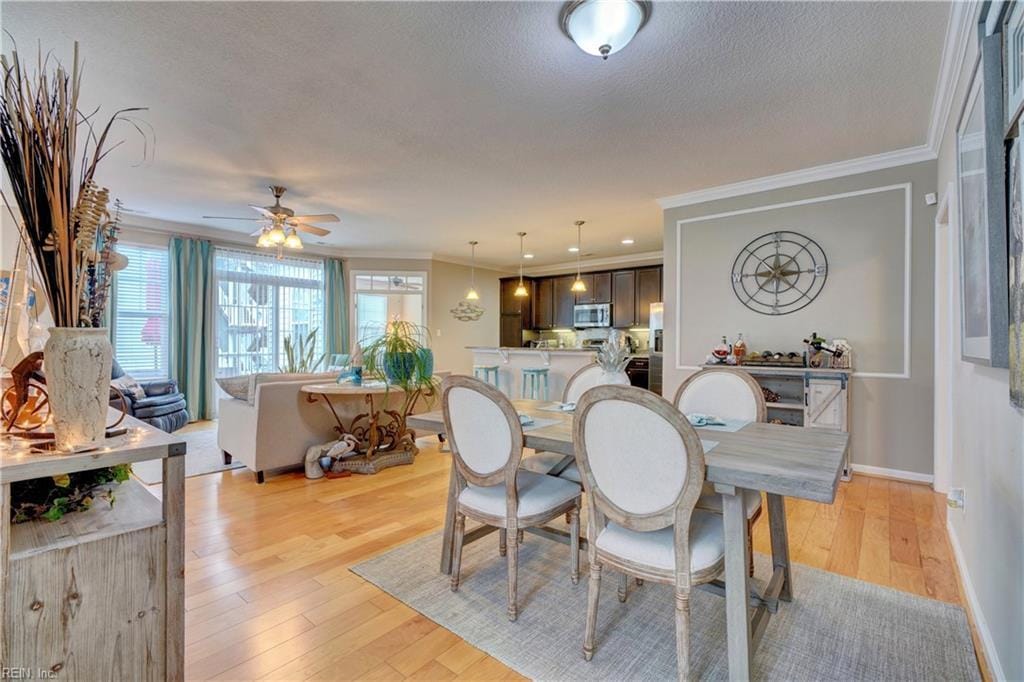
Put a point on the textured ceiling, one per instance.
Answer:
(426, 124)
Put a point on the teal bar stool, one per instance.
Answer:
(485, 372)
(531, 384)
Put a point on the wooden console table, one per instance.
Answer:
(381, 432)
(99, 594)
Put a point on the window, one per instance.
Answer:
(140, 312)
(379, 297)
(260, 301)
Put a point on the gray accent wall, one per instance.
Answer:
(861, 223)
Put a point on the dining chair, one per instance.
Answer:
(727, 393)
(579, 383)
(486, 439)
(642, 518)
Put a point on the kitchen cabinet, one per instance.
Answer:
(563, 301)
(510, 303)
(648, 291)
(623, 299)
(599, 288)
(511, 331)
(544, 303)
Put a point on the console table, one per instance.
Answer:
(99, 594)
(382, 432)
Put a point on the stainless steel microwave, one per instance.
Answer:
(592, 315)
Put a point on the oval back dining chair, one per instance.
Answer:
(486, 439)
(642, 517)
(552, 463)
(728, 393)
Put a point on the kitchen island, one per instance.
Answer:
(561, 363)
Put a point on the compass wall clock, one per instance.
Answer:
(779, 273)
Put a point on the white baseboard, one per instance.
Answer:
(897, 474)
(991, 657)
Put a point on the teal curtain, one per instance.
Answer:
(192, 333)
(335, 308)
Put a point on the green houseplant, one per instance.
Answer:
(299, 356)
(401, 355)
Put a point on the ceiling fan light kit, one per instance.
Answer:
(283, 226)
(603, 27)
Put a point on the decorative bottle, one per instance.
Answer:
(739, 349)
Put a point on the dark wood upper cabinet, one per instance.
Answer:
(599, 288)
(544, 304)
(510, 304)
(648, 291)
(623, 298)
(563, 301)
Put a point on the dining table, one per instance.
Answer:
(779, 460)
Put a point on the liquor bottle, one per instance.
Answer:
(739, 349)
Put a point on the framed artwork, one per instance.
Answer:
(975, 326)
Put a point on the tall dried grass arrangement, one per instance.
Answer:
(65, 221)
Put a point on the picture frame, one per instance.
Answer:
(971, 172)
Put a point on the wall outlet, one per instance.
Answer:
(931, 199)
(955, 499)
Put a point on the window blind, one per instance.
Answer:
(140, 314)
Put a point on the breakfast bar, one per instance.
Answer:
(561, 364)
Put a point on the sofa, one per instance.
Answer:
(162, 407)
(276, 424)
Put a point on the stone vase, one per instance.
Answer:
(77, 363)
(619, 378)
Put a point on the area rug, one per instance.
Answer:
(202, 456)
(837, 628)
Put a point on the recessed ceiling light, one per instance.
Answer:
(527, 255)
(627, 242)
(573, 249)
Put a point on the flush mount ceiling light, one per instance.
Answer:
(603, 27)
(627, 241)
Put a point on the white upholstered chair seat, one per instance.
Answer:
(543, 462)
(657, 548)
(538, 493)
(711, 501)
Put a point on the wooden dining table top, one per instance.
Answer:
(793, 461)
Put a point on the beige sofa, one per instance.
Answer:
(275, 430)
(281, 424)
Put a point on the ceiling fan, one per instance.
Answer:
(281, 225)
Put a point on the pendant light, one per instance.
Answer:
(521, 291)
(472, 295)
(578, 287)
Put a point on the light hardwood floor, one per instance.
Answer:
(269, 593)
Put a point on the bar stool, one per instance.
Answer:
(483, 373)
(530, 385)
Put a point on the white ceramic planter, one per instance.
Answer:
(77, 364)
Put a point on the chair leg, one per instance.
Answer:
(460, 533)
(513, 574)
(683, 634)
(227, 457)
(502, 541)
(519, 536)
(574, 545)
(593, 592)
(750, 548)
(623, 586)
(259, 477)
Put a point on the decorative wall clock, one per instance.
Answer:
(779, 273)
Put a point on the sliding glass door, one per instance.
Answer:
(260, 301)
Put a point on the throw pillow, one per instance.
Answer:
(129, 386)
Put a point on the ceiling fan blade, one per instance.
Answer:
(262, 211)
(257, 233)
(316, 218)
(312, 229)
(227, 217)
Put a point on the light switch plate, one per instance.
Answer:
(955, 499)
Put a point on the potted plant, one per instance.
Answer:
(300, 356)
(612, 357)
(402, 356)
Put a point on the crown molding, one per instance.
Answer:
(962, 16)
(644, 258)
(828, 171)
